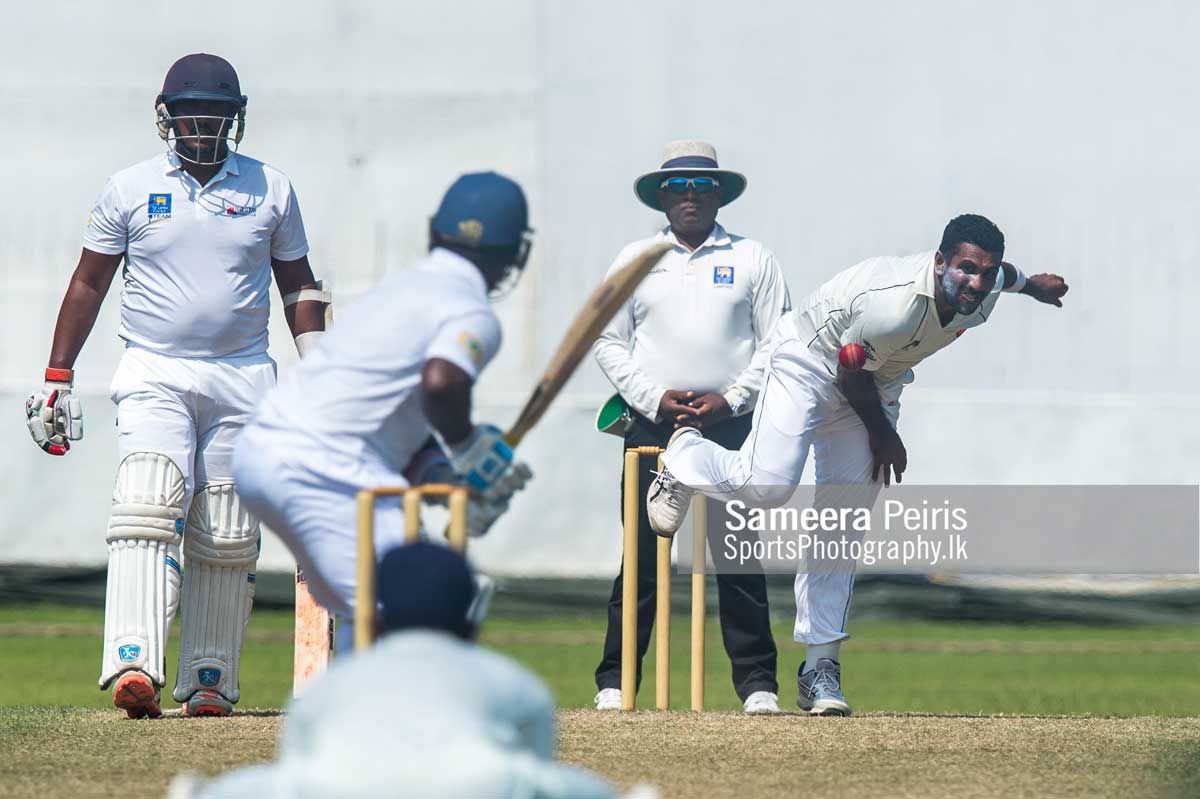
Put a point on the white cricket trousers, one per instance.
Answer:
(308, 497)
(800, 408)
(189, 409)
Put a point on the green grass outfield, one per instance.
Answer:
(944, 710)
(51, 655)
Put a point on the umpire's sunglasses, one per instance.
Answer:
(681, 185)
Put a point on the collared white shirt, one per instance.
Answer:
(887, 305)
(357, 392)
(696, 322)
(197, 270)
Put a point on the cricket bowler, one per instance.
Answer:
(900, 310)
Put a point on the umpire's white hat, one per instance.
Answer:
(689, 157)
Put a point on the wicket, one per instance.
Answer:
(662, 621)
(364, 597)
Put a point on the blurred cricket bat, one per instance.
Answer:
(313, 648)
(600, 307)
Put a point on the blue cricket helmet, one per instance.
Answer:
(202, 76)
(483, 210)
(426, 586)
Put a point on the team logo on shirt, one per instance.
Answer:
(159, 206)
(722, 275)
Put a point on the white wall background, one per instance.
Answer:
(862, 128)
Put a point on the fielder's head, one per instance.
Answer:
(689, 187)
(967, 263)
(201, 110)
(484, 218)
(423, 586)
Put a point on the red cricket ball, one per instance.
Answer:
(852, 357)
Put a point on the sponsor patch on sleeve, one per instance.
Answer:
(472, 346)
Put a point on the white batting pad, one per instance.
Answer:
(144, 531)
(220, 549)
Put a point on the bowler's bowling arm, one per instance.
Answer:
(858, 386)
(886, 447)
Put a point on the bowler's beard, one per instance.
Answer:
(955, 298)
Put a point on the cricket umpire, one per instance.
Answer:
(687, 351)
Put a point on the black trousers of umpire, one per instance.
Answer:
(745, 621)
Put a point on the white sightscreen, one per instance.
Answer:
(861, 127)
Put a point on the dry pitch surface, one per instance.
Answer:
(88, 753)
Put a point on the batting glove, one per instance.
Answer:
(55, 415)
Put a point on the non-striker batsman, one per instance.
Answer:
(200, 228)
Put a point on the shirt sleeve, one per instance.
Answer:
(288, 242)
(614, 352)
(770, 301)
(880, 333)
(108, 224)
(469, 342)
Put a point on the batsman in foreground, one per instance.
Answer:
(201, 228)
(362, 409)
(899, 310)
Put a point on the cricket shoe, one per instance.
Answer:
(667, 499)
(207, 702)
(608, 699)
(761, 703)
(820, 689)
(136, 694)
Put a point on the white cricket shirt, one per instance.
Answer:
(885, 304)
(357, 393)
(197, 258)
(695, 322)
